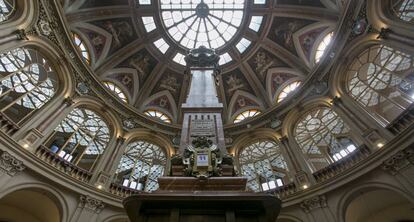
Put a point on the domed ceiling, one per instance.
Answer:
(267, 48)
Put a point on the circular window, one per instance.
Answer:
(209, 23)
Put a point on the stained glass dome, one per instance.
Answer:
(193, 23)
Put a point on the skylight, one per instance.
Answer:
(255, 23)
(225, 58)
(287, 90)
(82, 48)
(193, 23)
(179, 58)
(323, 46)
(161, 45)
(243, 45)
(144, 2)
(116, 90)
(246, 114)
(259, 2)
(149, 23)
(159, 115)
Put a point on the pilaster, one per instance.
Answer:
(302, 173)
(88, 209)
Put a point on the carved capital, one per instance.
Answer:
(314, 203)
(399, 161)
(9, 164)
(89, 203)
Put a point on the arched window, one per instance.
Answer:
(80, 138)
(246, 114)
(323, 45)
(27, 82)
(7, 8)
(116, 90)
(381, 80)
(141, 165)
(264, 166)
(287, 90)
(80, 44)
(404, 9)
(321, 134)
(158, 115)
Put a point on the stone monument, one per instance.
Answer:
(202, 185)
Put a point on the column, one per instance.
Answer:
(302, 172)
(10, 166)
(317, 209)
(33, 138)
(105, 170)
(363, 128)
(88, 209)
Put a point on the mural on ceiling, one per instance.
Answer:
(121, 30)
(262, 61)
(237, 92)
(308, 39)
(166, 93)
(126, 79)
(242, 101)
(278, 78)
(170, 81)
(272, 71)
(143, 62)
(233, 81)
(283, 29)
(95, 39)
(163, 102)
(102, 3)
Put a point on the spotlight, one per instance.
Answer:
(380, 145)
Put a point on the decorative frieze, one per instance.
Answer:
(399, 161)
(92, 204)
(314, 203)
(9, 164)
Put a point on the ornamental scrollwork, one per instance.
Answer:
(9, 164)
(92, 204)
(314, 203)
(399, 161)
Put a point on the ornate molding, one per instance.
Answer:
(9, 164)
(314, 203)
(399, 161)
(91, 204)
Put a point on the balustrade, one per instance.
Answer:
(7, 125)
(342, 164)
(122, 191)
(63, 165)
(403, 121)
